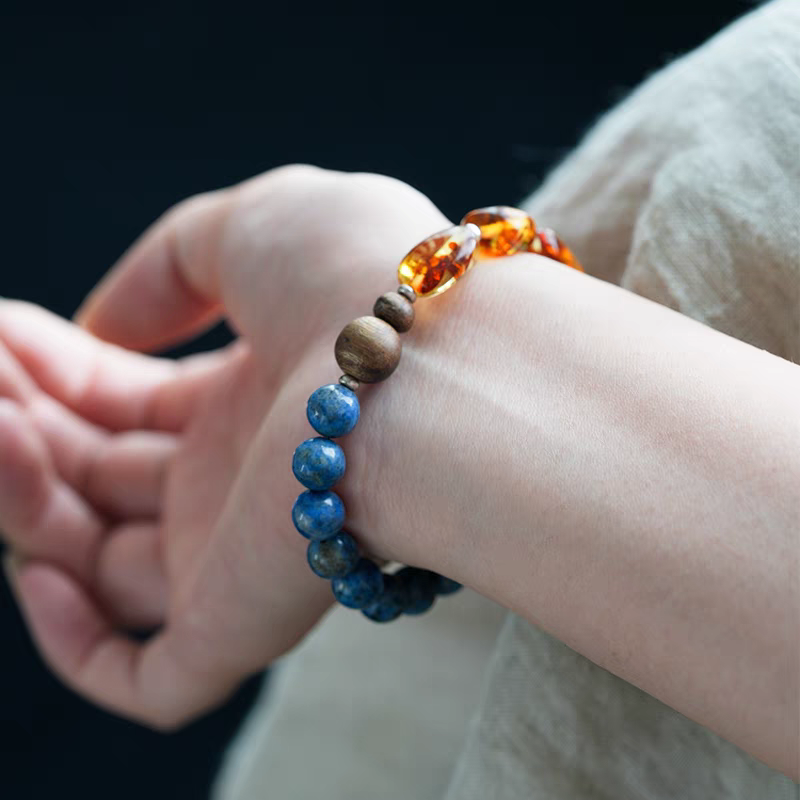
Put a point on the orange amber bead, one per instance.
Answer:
(504, 230)
(547, 243)
(435, 264)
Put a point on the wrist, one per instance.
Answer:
(539, 415)
(607, 468)
(454, 417)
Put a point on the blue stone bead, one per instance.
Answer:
(392, 602)
(421, 585)
(318, 463)
(333, 410)
(318, 515)
(447, 586)
(361, 587)
(334, 557)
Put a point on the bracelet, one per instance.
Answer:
(368, 351)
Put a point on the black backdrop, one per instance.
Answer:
(108, 119)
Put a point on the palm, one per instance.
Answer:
(227, 433)
(229, 411)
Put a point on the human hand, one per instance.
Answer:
(140, 492)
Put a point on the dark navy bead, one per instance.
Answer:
(334, 557)
(361, 587)
(318, 463)
(421, 585)
(333, 410)
(318, 515)
(447, 586)
(392, 602)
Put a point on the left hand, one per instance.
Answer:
(141, 492)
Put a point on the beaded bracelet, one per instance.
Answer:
(368, 351)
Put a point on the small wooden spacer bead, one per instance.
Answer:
(407, 292)
(350, 382)
(369, 349)
(395, 309)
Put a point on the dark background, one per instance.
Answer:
(108, 119)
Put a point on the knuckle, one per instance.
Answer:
(248, 190)
(394, 190)
(294, 172)
(288, 178)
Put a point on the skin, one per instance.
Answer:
(623, 477)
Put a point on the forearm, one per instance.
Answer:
(623, 477)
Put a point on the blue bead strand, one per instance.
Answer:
(333, 410)
(392, 602)
(448, 586)
(318, 463)
(334, 557)
(421, 586)
(318, 515)
(361, 587)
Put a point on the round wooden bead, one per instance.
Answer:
(369, 349)
(395, 309)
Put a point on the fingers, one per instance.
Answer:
(127, 478)
(39, 513)
(121, 474)
(83, 648)
(107, 385)
(130, 576)
(43, 517)
(168, 287)
(131, 585)
(15, 383)
(164, 683)
(165, 288)
(246, 601)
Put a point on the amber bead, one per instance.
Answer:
(436, 263)
(504, 230)
(395, 309)
(369, 349)
(547, 243)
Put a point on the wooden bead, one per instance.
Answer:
(395, 309)
(368, 349)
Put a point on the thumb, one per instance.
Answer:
(165, 289)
